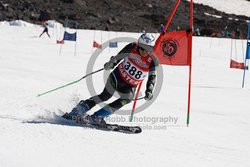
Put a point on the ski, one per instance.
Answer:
(106, 127)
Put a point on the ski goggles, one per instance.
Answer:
(146, 48)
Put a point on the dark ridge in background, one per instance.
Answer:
(121, 15)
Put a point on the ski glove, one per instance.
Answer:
(148, 95)
(109, 65)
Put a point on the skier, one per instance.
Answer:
(45, 26)
(138, 61)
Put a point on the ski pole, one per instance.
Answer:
(136, 98)
(70, 83)
(139, 98)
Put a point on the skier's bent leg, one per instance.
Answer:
(98, 116)
(83, 106)
(106, 94)
(126, 96)
(111, 108)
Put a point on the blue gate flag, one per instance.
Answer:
(247, 54)
(113, 44)
(248, 51)
(69, 37)
(248, 31)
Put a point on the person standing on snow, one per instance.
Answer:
(46, 29)
(138, 62)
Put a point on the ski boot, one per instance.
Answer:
(98, 117)
(95, 120)
(78, 111)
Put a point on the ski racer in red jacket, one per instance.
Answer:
(133, 64)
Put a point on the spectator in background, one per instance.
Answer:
(178, 28)
(197, 32)
(214, 34)
(46, 29)
(161, 27)
(226, 33)
(237, 33)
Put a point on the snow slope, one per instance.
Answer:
(31, 134)
(238, 7)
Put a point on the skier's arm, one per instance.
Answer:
(151, 79)
(114, 60)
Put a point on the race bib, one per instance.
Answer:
(130, 73)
